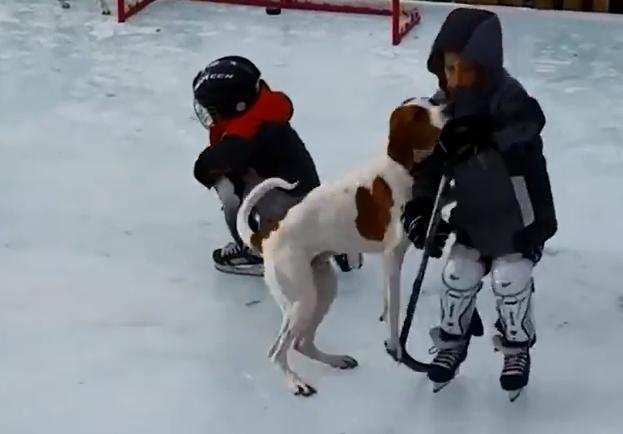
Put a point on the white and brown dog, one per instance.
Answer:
(358, 213)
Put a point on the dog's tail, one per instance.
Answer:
(254, 196)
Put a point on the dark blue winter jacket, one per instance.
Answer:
(504, 198)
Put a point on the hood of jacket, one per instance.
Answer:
(476, 34)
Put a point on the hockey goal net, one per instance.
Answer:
(403, 16)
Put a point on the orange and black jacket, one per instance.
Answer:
(261, 139)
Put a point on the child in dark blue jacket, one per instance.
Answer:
(492, 149)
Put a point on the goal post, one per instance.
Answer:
(404, 16)
(127, 8)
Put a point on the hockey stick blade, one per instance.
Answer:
(408, 361)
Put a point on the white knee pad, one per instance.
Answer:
(511, 278)
(464, 270)
(462, 276)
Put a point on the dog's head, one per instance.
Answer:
(414, 129)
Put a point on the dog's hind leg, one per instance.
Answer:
(296, 324)
(325, 279)
(297, 286)
(285, 324)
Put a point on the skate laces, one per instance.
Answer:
(516, 361)
(515, 358)
(448, 358)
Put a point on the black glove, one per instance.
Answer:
(466, 136)
(526, 243)
(229, 156)
(415, 220)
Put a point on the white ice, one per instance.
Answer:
(112, 318)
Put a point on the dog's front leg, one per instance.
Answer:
(393, 259)
(104, 7)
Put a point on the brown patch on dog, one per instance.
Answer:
(257, 238)
(410, 129)
(374, 209)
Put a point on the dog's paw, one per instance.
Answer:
(394, 349)
(340, 362)
(299, 388)
(345, 362)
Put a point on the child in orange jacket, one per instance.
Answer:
(251, 139)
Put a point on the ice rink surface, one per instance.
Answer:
(112, 318)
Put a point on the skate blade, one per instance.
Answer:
(514, 394)
(242, 270)
(437, 387)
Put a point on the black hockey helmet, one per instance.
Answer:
(227, 87)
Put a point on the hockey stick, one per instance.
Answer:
(406, 359)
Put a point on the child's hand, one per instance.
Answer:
(525, 243)
(415, 220)
(464, 137)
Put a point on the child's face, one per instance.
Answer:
(459, 73)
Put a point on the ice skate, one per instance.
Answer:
(451, 352)
(236, 259)
(516, 371)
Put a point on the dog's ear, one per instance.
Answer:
(402, 117)
(401, 121)
(410, 130)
